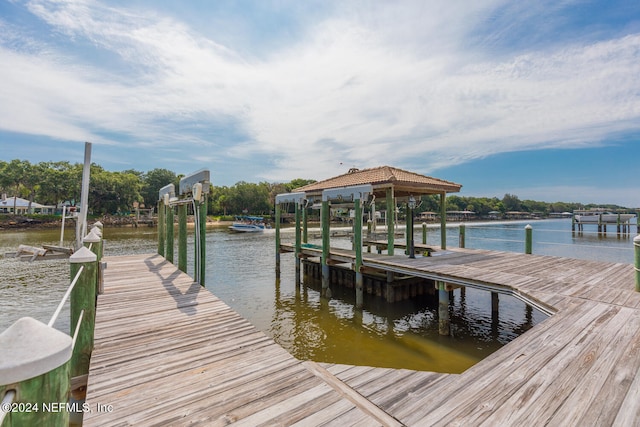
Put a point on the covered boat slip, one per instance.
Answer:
(167, 351)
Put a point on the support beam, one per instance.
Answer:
(444, 323)
(170, 230)
(161, 227)
(278, 209)
(357, 242)
(182, 237)
(324, 217)
(443, 220)
(203, 238)
(391, 215)
(298, 242)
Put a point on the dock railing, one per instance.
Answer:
(41, 367)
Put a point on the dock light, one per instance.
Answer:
(412, 206)
(166, 199)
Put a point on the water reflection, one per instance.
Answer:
(399, 335)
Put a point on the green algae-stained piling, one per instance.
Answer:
(299, 202)
(636, 247)
(528, 241)
(34, 367)
(182, 237)
(83, 299)
(193, 192)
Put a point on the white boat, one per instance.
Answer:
(248, 224)
(597, 217)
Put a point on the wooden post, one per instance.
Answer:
(97, 229)
(182, 237)
(203, 238)
(408, 229)
(618, 224)
(443, 220)
(298, 242)
(357, 241)
(424, 233)
(444, 325)
(462, 239)
(391, 215)
(278, 209)
(93, 242)
(495, 305)
(305, 225)
(636, 245)
(37, 370)
(528, 241)
(161, 227)
(325, 248)
(169, 249)
(83, 297)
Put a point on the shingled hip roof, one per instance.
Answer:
(384, 177)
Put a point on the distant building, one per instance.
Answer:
(22, 206)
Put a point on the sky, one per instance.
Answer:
(536, 98)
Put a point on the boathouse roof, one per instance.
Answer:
(403, 182)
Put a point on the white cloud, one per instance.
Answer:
(369, 85)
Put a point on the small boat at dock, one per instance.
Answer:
(248, 224)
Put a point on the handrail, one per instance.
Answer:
(6, 400)
(75, 334)
(64, 298)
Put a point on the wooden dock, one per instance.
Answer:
(169, 352)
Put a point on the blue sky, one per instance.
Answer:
(535, 98)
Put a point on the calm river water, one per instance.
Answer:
(240, 270)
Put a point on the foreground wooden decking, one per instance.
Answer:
(169, 352)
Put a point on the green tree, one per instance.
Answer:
(511, 202)
(56, 186)
(153, 181)
(14, 176)
(113, 192)
(297, 183)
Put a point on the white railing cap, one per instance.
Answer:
(30, 348)
(92, 237)
(82, 255)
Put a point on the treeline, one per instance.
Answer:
(52, 183)
(483, 206)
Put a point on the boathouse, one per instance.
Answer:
(362, 189)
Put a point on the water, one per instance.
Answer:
(240, 270)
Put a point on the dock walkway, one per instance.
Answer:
(169, 352)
